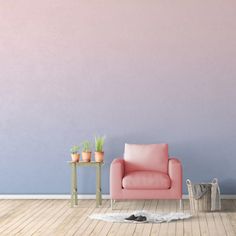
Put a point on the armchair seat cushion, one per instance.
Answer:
(146, 180)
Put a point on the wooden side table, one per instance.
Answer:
(74, 193)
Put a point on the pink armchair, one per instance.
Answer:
(146, 172)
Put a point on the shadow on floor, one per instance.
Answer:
(228, 205)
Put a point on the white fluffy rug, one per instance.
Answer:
(151, 217)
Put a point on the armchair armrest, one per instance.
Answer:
(117, 171)
(175, 173)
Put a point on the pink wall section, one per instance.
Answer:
(137, 71)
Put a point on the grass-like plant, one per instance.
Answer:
(99, 143)
(75, 149)
(86, 146)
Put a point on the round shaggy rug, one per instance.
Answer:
(151, 217)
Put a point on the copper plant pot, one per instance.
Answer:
(75, 157)
(86, 156)
(99, 156)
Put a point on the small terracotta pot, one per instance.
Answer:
(86, 156)
(99, 156)
(75, 157)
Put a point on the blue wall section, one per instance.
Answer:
(136, 72)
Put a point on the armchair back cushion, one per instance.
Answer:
(146, 157)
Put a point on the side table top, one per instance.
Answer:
(82, 163)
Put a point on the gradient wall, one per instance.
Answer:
(137, 71)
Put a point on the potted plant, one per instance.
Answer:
(99, 153)
(86, 153)
(75, 153)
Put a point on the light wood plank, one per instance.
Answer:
(219, 224)
(232, 216)
(97, 229)
(156, 227)
(227, 224)
(203, 224)
(116, 226)
(195, 226)
(79, 221)
(180, 223)
(125, 209)
(51, 221)
(39, 216)
(165, 207)
(139, 227)
(187, 222)
(107, 227)
(69, 222)
(20, 212)
(227, 208)
(55, 217)
(10, 207)
(89, 224)
(130, 228)
(211, 224)
(172, 224)
(148, 227)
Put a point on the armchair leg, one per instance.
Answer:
(181, 204)
(111, 204)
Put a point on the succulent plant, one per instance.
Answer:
(99, 143)
(86, 146)
(75, 149)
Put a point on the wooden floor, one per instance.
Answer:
(55, 217)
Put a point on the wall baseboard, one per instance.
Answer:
(80, 196)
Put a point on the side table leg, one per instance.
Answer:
(74, 197)
(98, 190)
